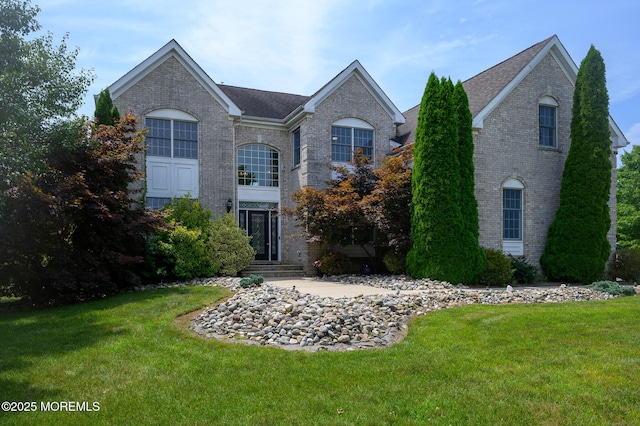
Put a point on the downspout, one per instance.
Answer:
(234, 162)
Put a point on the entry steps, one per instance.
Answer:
(273, 270)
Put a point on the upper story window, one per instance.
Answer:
(296, 147)
(172, 138)
(547, 120)
(258, 165)
(347, 136)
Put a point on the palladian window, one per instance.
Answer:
(258, 165)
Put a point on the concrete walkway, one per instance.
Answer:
(322, 288)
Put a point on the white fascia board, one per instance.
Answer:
(478, 121)
(618, 139)
(173, 49)
(373, 88)
(261, 122)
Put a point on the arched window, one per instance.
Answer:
(258, 165)
(547, 121)
(347, 136)
(512, 223)
(171, 156)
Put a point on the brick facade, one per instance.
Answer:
(506, 143)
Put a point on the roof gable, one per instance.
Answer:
(489, 88)
(173, 50)
(355, 68)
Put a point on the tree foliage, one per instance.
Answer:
(362, 206)
(231, 247)
(577, 248)
(628, 194)
(443, 210)
(73, 232)
(475, 261)
(182, 249)
(387, 206)
(38, 88)
(106, 112)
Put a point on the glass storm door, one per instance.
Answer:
(258, 228)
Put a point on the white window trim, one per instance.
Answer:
(514, 247)
(355, 123)
(548, 101)
(180, 176)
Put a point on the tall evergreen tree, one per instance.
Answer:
(475, 258)
(436, 219)
(577, 248)
(106, 113)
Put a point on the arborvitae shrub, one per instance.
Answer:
(577, 248)
(499, 271)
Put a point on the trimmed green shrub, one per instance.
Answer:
(627, 266)
(251, 281)
(189, 253)
(184, 249)
(335, 263)
(523, 271)
(611, 288)
(499, 271)
(231, 248)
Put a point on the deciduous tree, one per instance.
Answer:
(629, 199)
(73, 232)
(38, 87)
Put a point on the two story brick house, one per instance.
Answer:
(247, 150)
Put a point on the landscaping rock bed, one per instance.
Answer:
(275, 316)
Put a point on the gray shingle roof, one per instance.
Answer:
(481, 89)
(261, 103)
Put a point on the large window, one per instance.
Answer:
(172, 138)
(547, 122)
(172, 156)
(347, 140)
(258, 165)
(296, 147)
(512, 214)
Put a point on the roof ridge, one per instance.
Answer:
(261, 90)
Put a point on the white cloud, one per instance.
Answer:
(633, 134)
(267, 45)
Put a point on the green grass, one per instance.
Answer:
(551, 364)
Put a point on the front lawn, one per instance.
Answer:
(573, 363)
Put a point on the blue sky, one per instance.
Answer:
(296, 46)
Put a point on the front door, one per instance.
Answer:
(262, 227)
(258, 229)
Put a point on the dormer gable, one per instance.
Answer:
(173, 50)
(354, 69)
